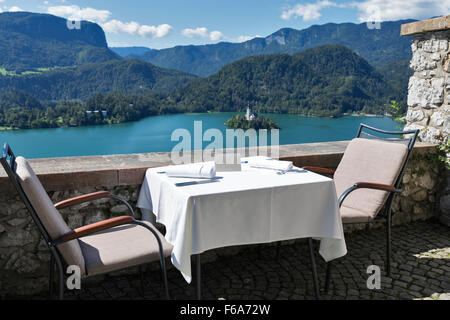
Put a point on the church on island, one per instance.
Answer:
(249, 116)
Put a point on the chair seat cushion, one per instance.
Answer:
(121, 247)
(368, 160)
(350, 215)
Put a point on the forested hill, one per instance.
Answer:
(30, 40)
(327, 80)
(377, 46)
(82, 82)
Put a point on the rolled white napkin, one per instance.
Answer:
(268, 163)
(193, 170)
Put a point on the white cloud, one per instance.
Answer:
(215, 35)
(203, 32)
(116, 26)
(386, 10)
(134, 28)
(159, 31)
(15, 9)
(76, 13)
(309, 11)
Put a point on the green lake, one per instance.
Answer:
(153, 134)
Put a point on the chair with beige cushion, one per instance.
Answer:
(369, 176)
(98, 248)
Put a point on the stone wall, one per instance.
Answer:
(429, 89)
(24, 257)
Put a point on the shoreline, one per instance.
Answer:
(4, 129)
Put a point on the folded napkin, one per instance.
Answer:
(268, 163)
(193, 170)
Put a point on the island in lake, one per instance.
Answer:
(251, 121)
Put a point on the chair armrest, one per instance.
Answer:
(82, 199)
(93, 228)
(319, 170)
(367, 185)
(377, 186)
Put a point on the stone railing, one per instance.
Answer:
(24, 257)
(429, 88)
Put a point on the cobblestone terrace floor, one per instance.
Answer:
(420, 269)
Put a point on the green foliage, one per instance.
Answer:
(82, 82)
(444, 153)
(119, 108)
(324, 81)
(238, 121)
(395, 110)
(397, 114)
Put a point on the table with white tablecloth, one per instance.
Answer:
(243, 207)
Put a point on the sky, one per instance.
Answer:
(161, 24)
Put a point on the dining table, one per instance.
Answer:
(242, 207)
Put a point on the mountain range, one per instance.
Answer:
(377, 46)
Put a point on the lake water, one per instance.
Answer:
(153, 134)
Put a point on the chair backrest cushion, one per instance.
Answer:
(369, 160)
(50, 218)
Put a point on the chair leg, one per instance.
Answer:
(388, 246)
(51, 276)
(59, 267)
(164, 276)
(61, 280)
(314, 270)
(327, 277)
(199, 278)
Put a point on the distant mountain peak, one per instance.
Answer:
(47, 26)
(34, 40)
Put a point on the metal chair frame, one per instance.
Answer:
(385, 214)
(8, 161)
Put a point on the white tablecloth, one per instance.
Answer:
(243, 207)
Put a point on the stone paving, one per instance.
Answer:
(420, 270)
